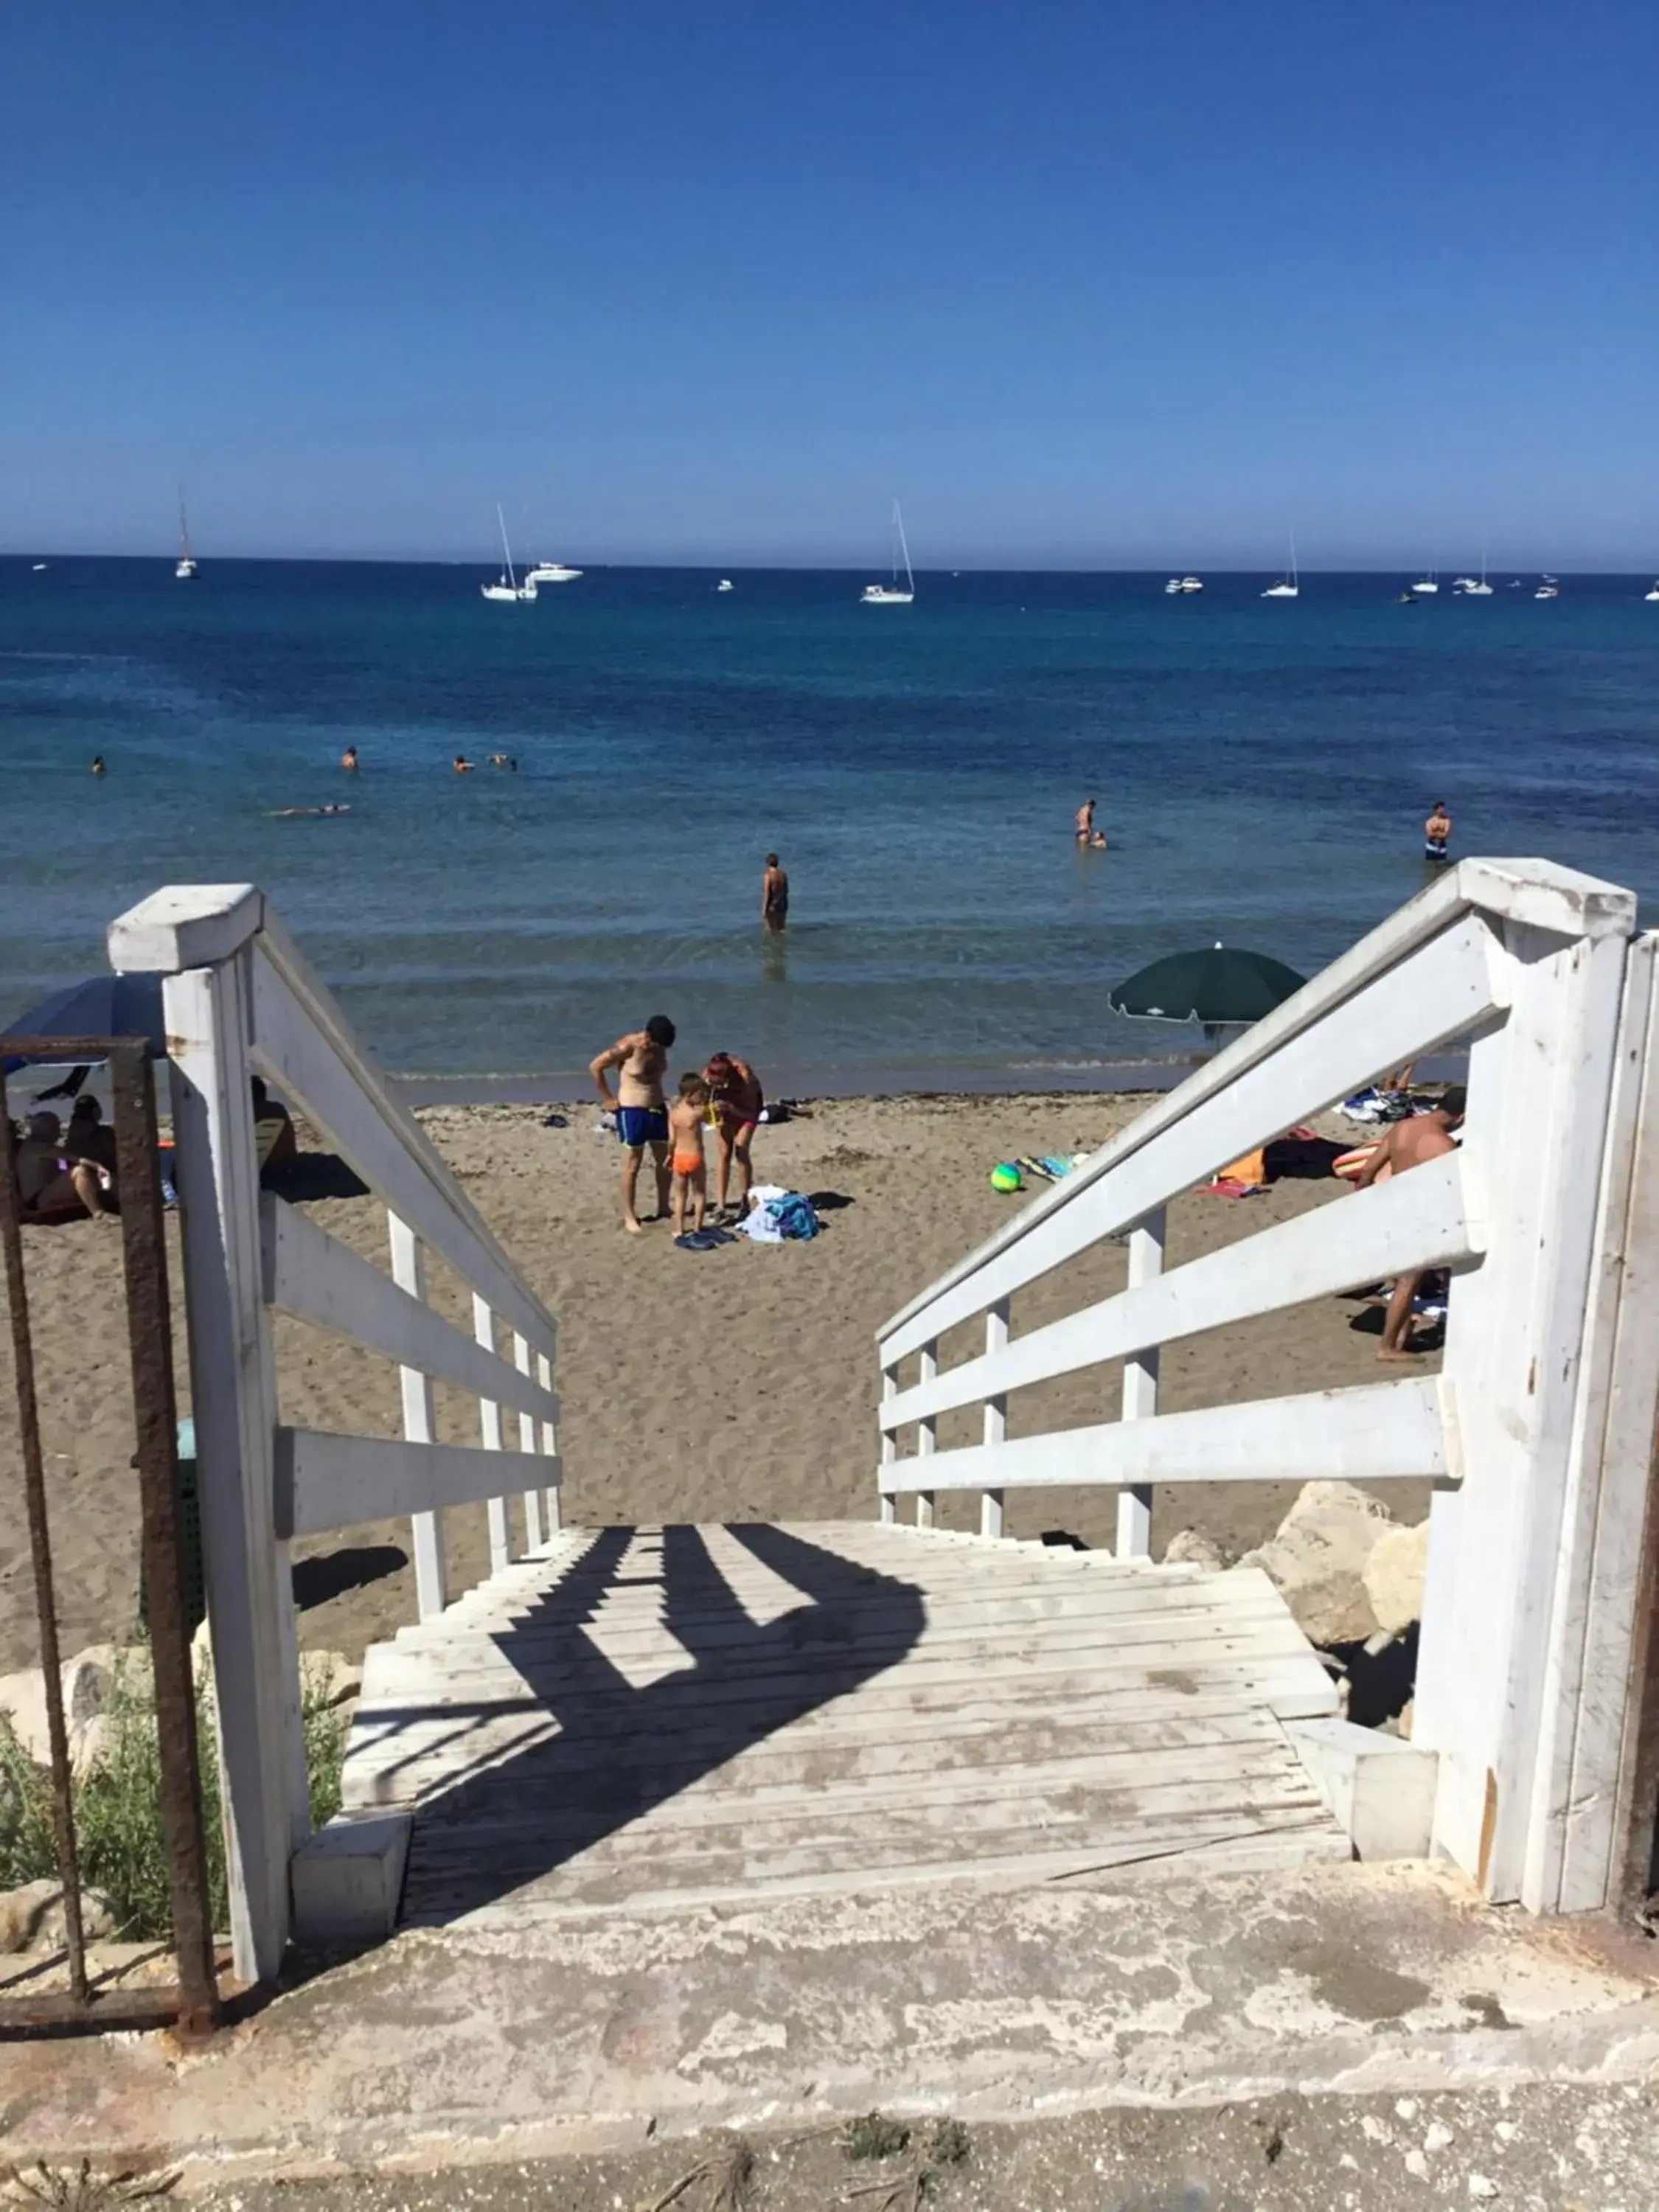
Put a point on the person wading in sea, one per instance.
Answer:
(1437, 832)
(1084, 821)
(775, 894)
(641, 1061)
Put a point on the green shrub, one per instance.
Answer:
(117, 1803)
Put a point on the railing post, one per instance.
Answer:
(926, 1434)
(409, 1273)
(549, 1448)
(234, 1399)
(533, 1499)
(490, 1428)
(1539, 1090)
(996, 1417)
(888, 1443)
(1134, 1502)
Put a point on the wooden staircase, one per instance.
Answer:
(643, 1718)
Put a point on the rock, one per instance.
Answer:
(32, 1918)
(1394, 1576)
(329, 1677)
(1402, 1726)
(1316, 1560)
(1191, 1547)
(87, 1678)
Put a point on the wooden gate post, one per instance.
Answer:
(201, 940)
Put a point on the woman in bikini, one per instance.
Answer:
(735, 1090)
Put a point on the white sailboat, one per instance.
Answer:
(1654, 594)
(551, 572)
(1472, 588)
(1288, 586)
(1426, 586)
(894, 594)
(508, 587)
(184, 567)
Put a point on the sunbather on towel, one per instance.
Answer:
(1408, 1144)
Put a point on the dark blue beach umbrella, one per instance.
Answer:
(101, 1006)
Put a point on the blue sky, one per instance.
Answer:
(1086, 284)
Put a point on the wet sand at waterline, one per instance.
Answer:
(739, 1383)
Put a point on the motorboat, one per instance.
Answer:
(1548, 589)
(894, 594)
(1654, 594)
(726, 585)
(1180, 585)
(551, 572)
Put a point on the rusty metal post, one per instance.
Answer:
(34, 1495)
(150, 1326)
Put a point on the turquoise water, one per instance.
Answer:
(1263, 769)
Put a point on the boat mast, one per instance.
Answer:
(505, 553)
(899, 524)
(183, 527)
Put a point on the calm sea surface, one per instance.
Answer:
(1262, 767)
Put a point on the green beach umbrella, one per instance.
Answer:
(1223, 984)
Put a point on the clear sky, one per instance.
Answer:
(1086, 283)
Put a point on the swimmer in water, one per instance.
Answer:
(349, 760)
(1097, 841)
(98, 764)
(463, 765)
(287, 813)
(506, 760)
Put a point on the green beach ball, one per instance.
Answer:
(1006, 1176)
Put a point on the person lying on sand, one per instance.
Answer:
(1407, 1144)
(735, 1092)
(641, 1059)
(687, 1118)
(50, 1185)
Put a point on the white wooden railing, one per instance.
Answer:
(1531, 968)
(240, 1001)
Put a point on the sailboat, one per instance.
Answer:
(892, 595)
(1654, 594)
(509, 587)
(1288, 586)
(1430, 583)
(1470, 588)
(184, 568)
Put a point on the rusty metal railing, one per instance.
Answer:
(191, 2001)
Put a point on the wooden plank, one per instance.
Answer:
(325, 1481)
(1371, 1433)
(1593, 1675)
(414, 1385)
(234, 1399)
(1409, 1221)
(533, 1499)
(490, 1428)
(1304, 1055)
(186, 926)
(1134, 1502)
(1539, 1098)
(302, 1041)
(316, 1279)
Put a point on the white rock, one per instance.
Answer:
(1373, 2130)
(1192, 1547)
(1482, 2184)
(1317, 1558)
(88, 1680)
(1437, 2135)
(1506, 2131)
(32, 1918)
(1417, 2165)
(1394, 1576)
(1406, 2107)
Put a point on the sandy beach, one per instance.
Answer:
(735, 1383)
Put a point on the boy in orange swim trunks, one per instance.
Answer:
(687, 1117)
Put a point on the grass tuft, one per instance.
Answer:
(872, 2135)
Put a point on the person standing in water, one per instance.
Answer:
(98, 764)
(774, 895)
(349, 760)
(1084, 822)
(1437, 832)
(642, 1060)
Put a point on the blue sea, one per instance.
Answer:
(1262, 767)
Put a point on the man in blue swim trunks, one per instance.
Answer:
(641, 1061)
